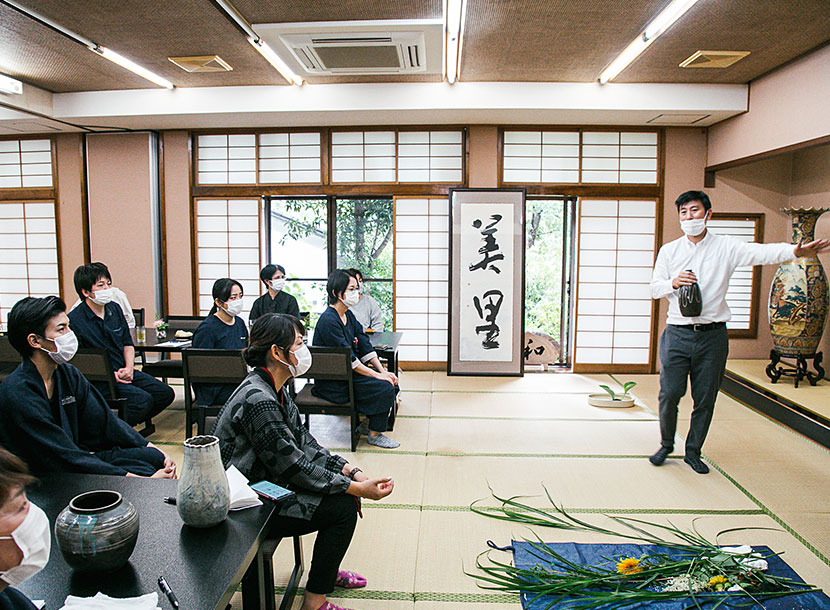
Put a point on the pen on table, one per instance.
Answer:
(165, 588)
(170, 500)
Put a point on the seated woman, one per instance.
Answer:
(25, 535)
(375, 388)
(222, 329)
(367, 311)
(275, 300)
(260, 432)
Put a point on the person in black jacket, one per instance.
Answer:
(52, 417)
(25, 536)
(275, 300)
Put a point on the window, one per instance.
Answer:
(743, 293)
(613, 304)
(365, 241)
(227, 159)
(28, 252)
(422, 277)
(25, 163)
(227, 245)
(587, 157)
(289, 157)
(297, 239)
(363, 156)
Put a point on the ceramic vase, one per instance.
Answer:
(203, 496)
(798, 296)
(97, 532)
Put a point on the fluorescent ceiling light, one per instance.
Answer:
(275, 60)
(131, 66)
(657, 26)
(456, 14)
(10, 85)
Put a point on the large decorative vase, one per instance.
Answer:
(798, 297)
(203, 496)
(97, 531)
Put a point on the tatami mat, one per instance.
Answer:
(416, 380)
(417, 403)
(535, 382)
(579, 483)
(544, 437)
(405, 469)
(527, 406)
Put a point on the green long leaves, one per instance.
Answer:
(698, 571)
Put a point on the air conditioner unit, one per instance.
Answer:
(355, 53)
(358, 47)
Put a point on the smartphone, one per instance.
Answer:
(270, 490)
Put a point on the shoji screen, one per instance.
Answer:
(421, 277)
(28, 253)
(25, 163)
(226, 159)
(614, 265)
(363, 156)
(744, 286)
(227, 245)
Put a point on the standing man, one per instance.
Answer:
(697, 347)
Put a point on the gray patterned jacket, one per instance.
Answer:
(260, 432)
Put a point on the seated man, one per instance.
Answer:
(100, 323)
(52, 417)
(118, 296)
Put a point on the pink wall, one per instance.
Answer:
(178, 265)
(69, 209)
(786, 107)
(484, 156)
(119, 213)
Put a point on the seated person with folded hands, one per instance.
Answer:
(100, 323)
(260, 432)
(52, 417)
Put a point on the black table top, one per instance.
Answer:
(202, 566)
(151, 342)
(386, 338)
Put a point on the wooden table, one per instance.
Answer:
(386, 345)
(203, 567)
(153, 344)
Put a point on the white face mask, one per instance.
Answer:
(33, 537)
(351, 298)
(303, 355)
(234, 308)
(102, 297)
(278, 284)
(693, 227)
(67, 345)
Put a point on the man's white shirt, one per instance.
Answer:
(713, 260)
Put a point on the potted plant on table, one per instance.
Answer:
(612, 399)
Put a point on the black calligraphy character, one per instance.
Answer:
(492, 303)
(490, 246)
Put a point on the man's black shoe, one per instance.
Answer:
(662, 453)
(698, 466)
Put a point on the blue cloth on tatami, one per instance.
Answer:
(606, 555)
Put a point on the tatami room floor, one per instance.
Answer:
(459, 434)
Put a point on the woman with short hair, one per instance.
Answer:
(25, 535)
(275, 300)
(260, 432)
(375, 388)
(222, 329)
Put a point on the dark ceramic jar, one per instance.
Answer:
(97, 532)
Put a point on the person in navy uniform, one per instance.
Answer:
(375, 388)
(222, 329)
(275, 300)
(52, 417)
(100, 323)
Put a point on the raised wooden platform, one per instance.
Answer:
(805, 409)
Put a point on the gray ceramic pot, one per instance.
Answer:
(203, 496)
(97, 531)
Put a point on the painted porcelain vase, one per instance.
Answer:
(97, 532)
(203, 496)
(798, 297)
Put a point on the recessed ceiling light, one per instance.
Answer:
(713, 59)
(202, 63)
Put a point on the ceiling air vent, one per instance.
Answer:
(202, 63)
(358, 47)
(713, 59)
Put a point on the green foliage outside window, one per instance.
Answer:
(543, 266)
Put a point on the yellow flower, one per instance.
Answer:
(629, 565)
(718, 583)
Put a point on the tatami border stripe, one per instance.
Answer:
(610, 511)
(483, 417)
(417, 596)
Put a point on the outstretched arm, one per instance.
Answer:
(811, 249)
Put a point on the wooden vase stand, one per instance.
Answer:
(776, 369)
